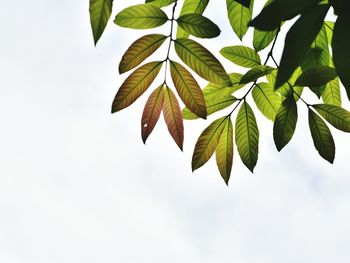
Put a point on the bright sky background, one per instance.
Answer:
(77, 185)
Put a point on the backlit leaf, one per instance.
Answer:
(331, 94)
(135, 85)
(266, 99)
(239, 16)
(224, 150)
(207, 142)
(241, 55)
(247, 136)
(172, 116)
(141, 16)
(202, 61)
(198, 26)
(191, 7)
(140, 50)
(151, 112)
(285, 122)
(335, 115)
(321, 136)
(256, 73)
(188, 89)
(214, 104)
(100, 12)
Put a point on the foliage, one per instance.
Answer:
(315, 56)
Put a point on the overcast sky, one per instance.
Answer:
(77, 185)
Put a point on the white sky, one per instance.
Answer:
(77, 184)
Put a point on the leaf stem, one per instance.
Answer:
(170, 41)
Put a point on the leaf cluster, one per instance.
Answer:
(315, 57)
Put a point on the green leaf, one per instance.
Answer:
(100, 12)
(331, 94)
(241, 56)
(239, 16)
(340, 46)
(266, 99)
(256, 73)
(273, 14)
(198, 26)
(285, 122)
(173, 118)
(298, 41)
(247, 136)
(188, 89)
(201, 61)
(316, 76)
(141, 16)
(335, 115)
(322, 137)
(160, 3)
(151, 112)
(214, 104)
(140, 50)
(262, 39)
(224, 151)
(191, 7)
(135, 85)
(207, 142)
(329, 26)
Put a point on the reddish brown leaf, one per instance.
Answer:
(151, 112)
(173, 117)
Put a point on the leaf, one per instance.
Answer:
(198, 26)
(298, 41)
(277, 11)
(214, 90)
(188, 89)
(245, 3)
(160, 3)
(256, 73)
(135, 85)
(173, 118)
(191, 7)
(241, 56)
(340, 46)
(316, 76)
(201, 61)
(285, 122)
(262, 39)
(141, 16)
(335, 115)
(206, 143)
(266, 99)
(100, 12)
(331, 94)
(247, 136)
(224, 151)
(239, 16)
(213, 105)
(151, 112)
(322, 137)
(140, 50)
(329, 26)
